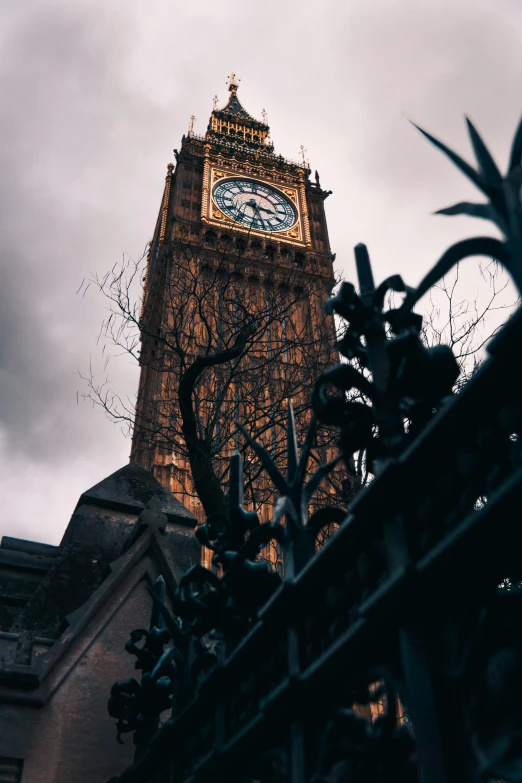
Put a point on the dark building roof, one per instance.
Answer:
(23, 565)
(235, 111)
(40, 584)
(130, 488)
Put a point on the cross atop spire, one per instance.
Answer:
(233, 84)
(233, 107)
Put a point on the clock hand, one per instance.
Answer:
(270, 211)
(241, 207)
(250, 203)
(241, 214)
(259, 214)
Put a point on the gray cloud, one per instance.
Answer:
(96, 94)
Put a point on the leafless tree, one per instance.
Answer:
(227, 337)
(224, 337)
(468, 322)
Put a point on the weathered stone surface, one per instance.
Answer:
(77, 573)
(98, 530)
(130, 489)
(153, 515)
(107, 520)
(72, 737)
(89, 595)
(28, 547)
(23, 564)
(41, 585)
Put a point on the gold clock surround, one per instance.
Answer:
(211, 215)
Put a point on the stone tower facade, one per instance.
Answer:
(251, 227)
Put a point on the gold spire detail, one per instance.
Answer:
(233, 120)
(165, 203)
(233, 82)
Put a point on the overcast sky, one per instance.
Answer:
(95, 95)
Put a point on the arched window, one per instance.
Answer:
(210, 237)
(240, 245)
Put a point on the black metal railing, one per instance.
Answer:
(415, 599)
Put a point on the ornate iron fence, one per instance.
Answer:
(414, 601)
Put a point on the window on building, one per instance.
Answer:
(11, 770)
(240, 245)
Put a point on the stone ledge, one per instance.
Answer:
(130, 489)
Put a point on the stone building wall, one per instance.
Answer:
(54, 724)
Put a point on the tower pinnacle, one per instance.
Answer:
(233, 83)
(234, 112)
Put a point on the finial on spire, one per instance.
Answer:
(191, 125)
(214, 102)
(302, 151)
(233, 82)
(264, 115)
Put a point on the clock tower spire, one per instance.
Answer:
(233, 119)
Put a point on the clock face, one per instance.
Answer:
(254, 204)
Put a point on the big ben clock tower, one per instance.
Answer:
(230, 205)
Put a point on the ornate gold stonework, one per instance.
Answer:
(291, 194)
(218, 215)
(214, 170)
(165, 202)
(306, 221)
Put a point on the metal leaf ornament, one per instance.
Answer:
(403, 378)
(503, 208)
(353, 750)
(138, 706)
(190, 654)
(489, 680)
(295, 493)
(227, 605)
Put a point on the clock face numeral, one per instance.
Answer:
(254, 204)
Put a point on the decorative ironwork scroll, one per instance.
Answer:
(416, 600)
